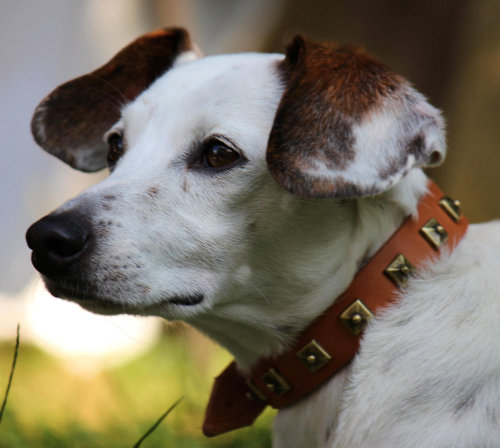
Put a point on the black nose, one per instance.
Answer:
(57, 241)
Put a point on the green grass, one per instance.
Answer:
(49, 406)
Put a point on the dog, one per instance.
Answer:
(245, 194)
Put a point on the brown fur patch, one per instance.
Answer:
(153, 192)
(73, 118)
(144, 289)
(416, 145)
(329, 89)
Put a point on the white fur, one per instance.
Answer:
(380, 137)
(428, 372)
(268, 263)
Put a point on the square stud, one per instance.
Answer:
(254, 393)
(400, 270)
(314, 356)
(452, 207)
(275, 383)
(434, 233)
(356, 316)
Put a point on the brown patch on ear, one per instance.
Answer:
(416, 145)
(329, 88)
(71, 121)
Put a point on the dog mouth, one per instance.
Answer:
(91, 301)
(189, 300)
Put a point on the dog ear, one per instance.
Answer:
(348, 126)
(71, 121)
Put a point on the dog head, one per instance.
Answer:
(226, 172)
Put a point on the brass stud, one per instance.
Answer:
(254, 392)
(452, 207)
(399, 270)
(356, 316)
(275, 383)
(314, 356)
(311, 359)
(356, 319)
(434, 233)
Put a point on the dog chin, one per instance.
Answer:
(99, 305)
(87, 301)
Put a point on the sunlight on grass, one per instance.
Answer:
(51, 407)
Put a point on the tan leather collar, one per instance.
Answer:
(331, 341)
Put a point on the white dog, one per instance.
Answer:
(246, 192)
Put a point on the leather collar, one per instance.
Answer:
(333, 339)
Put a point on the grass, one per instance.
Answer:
(49, 406)
(11, 374)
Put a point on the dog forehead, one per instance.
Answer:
(210, 91)
(232, 72)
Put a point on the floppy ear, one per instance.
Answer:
(71, 121)
(347, 125)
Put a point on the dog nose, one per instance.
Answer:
(56, 241)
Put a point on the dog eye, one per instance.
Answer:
(116, 146)
(218, 155)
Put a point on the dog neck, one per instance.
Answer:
(297, 269)
(332, 340)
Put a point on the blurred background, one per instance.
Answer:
(86, 381)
